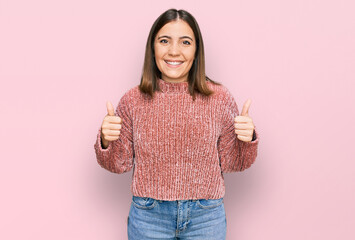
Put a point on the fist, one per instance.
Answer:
(111, 125)
(244, 127)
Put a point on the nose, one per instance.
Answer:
(174, 50)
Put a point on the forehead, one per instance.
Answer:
(176, 28)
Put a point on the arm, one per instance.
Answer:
(118, 156)
(234, 154)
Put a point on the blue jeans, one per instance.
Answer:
(182, 219)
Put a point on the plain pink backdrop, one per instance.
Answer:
(60, 61)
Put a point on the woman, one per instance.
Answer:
(179, 131)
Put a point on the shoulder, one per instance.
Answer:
(132, 91)
(225, 98)
(221, 92)
(131, 94)
(127, 99)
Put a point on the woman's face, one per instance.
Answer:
(175, 47)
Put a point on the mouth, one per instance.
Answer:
(173, 63)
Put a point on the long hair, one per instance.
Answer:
(196, 78)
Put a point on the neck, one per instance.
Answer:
(184, 79)
(173, 87)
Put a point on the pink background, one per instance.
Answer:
(60, 61)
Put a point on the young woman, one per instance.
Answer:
(179, 131)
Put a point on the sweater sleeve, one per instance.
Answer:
(118, 156)
(234, 154)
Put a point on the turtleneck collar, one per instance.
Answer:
(170, 87)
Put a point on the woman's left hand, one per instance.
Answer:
(244, 127)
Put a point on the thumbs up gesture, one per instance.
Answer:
(111, 125)
(244, 126)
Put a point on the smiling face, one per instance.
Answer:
(175, 47)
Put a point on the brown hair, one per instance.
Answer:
(196, 77)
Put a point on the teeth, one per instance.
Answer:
(174, 63)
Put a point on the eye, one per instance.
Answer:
(163, 41)
(186, 42)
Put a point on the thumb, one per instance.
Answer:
(246, 108)
(110, 109)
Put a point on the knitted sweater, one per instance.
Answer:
(178, 148)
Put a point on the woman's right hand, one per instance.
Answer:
(111, 125)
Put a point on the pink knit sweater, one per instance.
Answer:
(178, 148)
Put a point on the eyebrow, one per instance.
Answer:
(165, 36)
